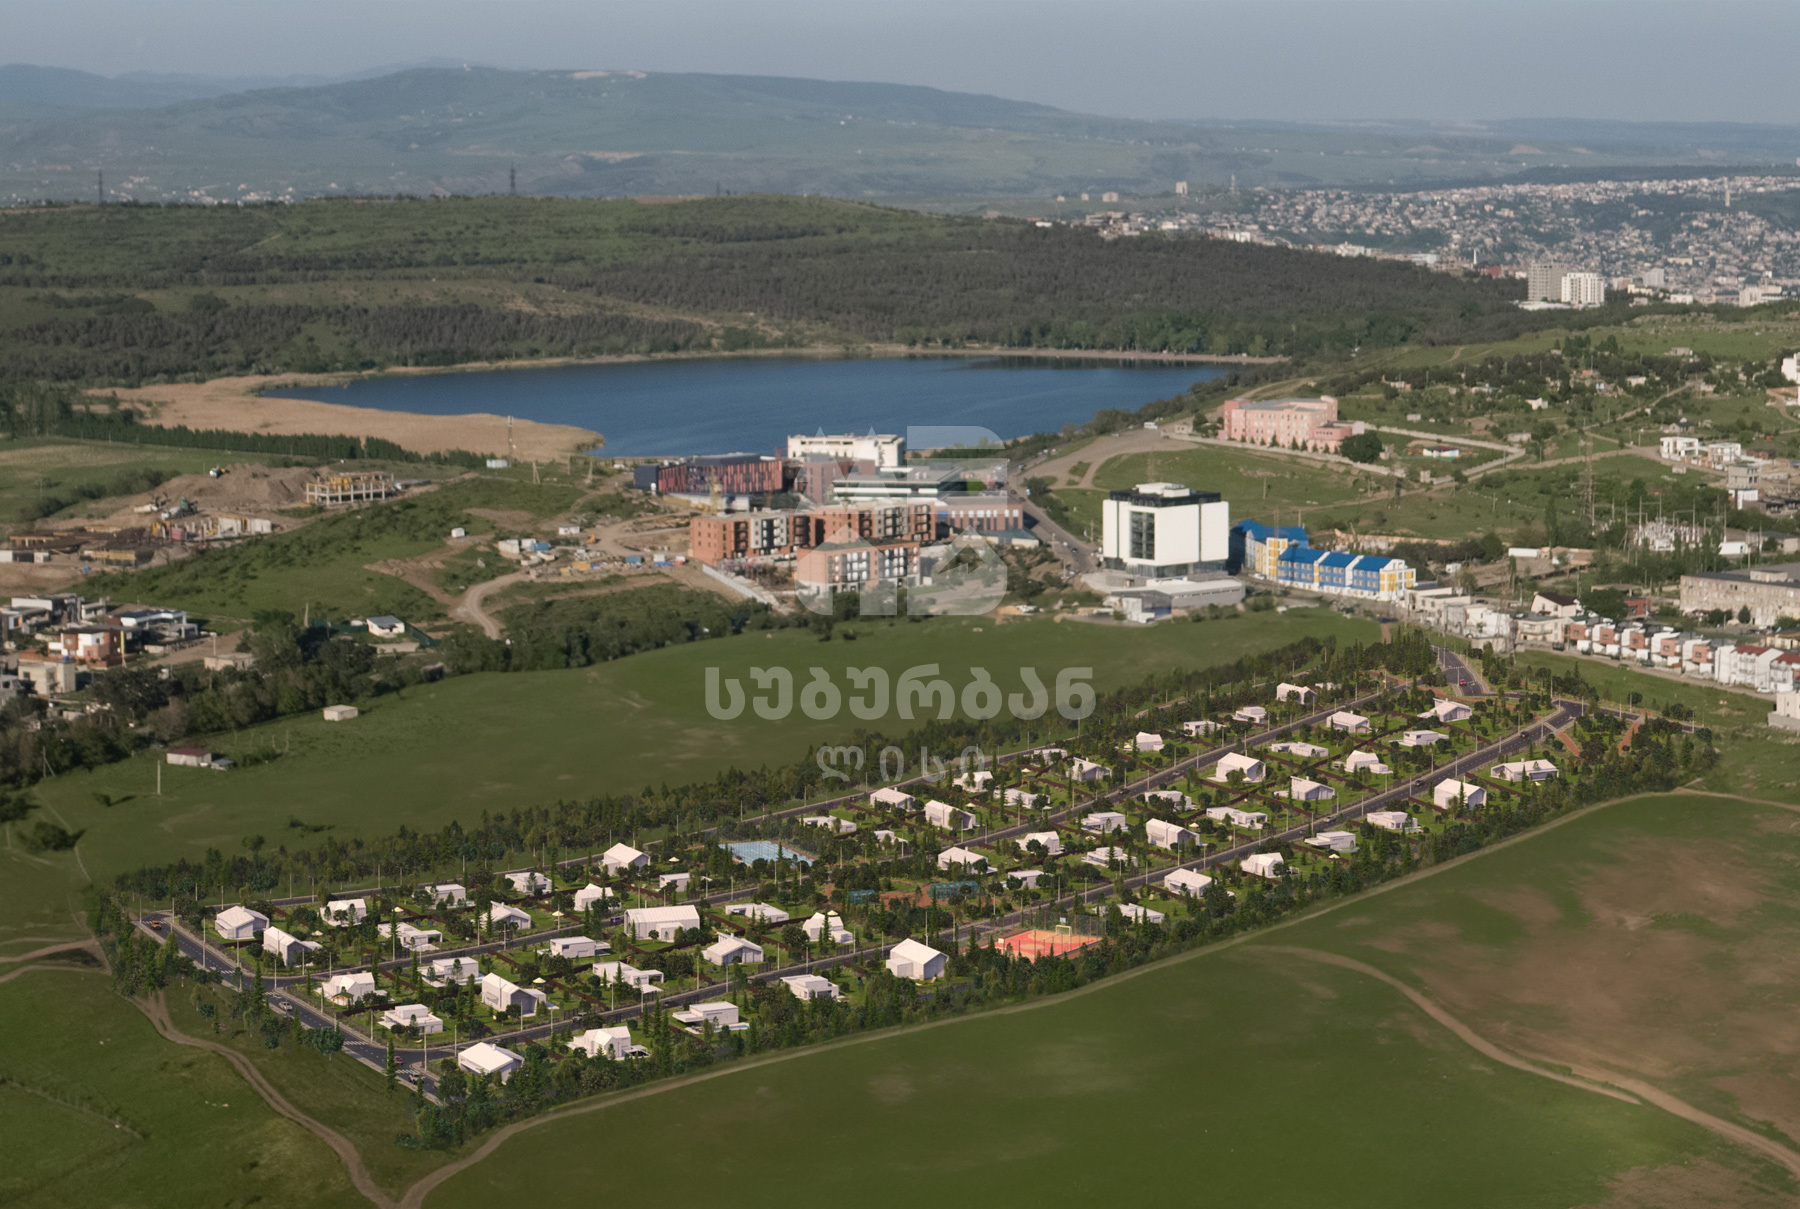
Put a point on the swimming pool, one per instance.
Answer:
(751, 851)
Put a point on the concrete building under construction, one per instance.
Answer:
(351, 487)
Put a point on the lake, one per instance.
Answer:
(752, 404)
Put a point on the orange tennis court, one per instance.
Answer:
(1039, 942)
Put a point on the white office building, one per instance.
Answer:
(884, 449)
(1165, 530)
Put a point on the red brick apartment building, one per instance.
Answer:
(754, 535)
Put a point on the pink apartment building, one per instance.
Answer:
(1289, 423)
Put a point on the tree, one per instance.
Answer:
(1363, 447)
(1743, 615)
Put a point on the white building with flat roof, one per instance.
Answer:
(1164, 530)
(886, 450)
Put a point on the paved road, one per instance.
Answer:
(1464, 680)
(1065, 545)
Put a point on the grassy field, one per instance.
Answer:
(338, 1090)
(42, 896)
(493, 741)
(1260, 1079)
(1510, 502)
(324, 566)
(1255, 483)
(98, 1110)
(33, 469)
(1655, 938)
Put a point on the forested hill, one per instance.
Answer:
(463, 130)
(121, 294)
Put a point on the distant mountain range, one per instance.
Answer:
(463, 129)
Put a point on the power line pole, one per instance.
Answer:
(512, 179)
(1587, 479)
(99, 187)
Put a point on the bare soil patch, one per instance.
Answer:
(234, 404)
(1689, 1186)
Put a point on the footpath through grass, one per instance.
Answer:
(98, 1110)
(1654, 937)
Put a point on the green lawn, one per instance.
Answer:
(1651, 937)
(98, 1110)
(495, 741)
(1237, 1077)
(1255, 483)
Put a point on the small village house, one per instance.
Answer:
(621, 857)
(591, 895)
(733, 950)
(1171, 836)
(486, 1058)
(1449, 792)
(1333, 841)
(287, 948)
(812, 986)
(942, 814)
(1295, 692)
(239, 923)
(1232, 761)
(1086, 770)
(920, 962)
(614, 1042)
(661, 923)
(413, 1016)
(500, 995)
(1186, 881)
(1303, 789)
(1265, 864)
(762, 913)
(965, 859)
(826, 928)
(1525, 770)
(610, 972)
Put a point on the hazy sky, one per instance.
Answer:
(1283, 59)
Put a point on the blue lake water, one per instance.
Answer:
(753, 404)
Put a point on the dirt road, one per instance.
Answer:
(469, 607)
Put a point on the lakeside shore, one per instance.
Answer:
(241, 404)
